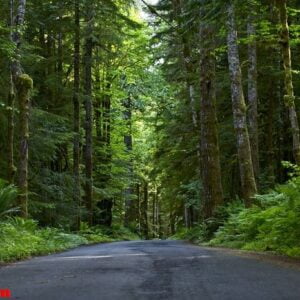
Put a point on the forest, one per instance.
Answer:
(135, 119)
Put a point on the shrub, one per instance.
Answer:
(272, 225)
(8, 195)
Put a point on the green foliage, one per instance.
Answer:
(97, 234)
(274, 225)
(22, 238)
(8, 195)
(204, 232)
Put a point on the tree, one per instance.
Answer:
(239, 110)
(210, 161)
(252, 90)
(76, 107)
(88, 105)
(289, 98)
(11, 108)
(23, 84)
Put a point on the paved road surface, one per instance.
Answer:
(149, 270)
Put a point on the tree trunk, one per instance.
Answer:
(144, 213)
(189, 68)
(10, 114)
(129, 202)
(76, 111)
(88, 105)
(239, 111)
(253, 95)
(210, 156)
(154, 205)
(23, 84)
(289, 98)
(138, 194)
(106, 204)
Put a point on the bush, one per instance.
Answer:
(8, 195)
(204, 232)
(22, 238)
(272, 225)
(107, 234)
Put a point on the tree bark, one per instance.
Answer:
(76, 112)
(289, 98)
(129, 202)
(144, 213)
(188, 63)
(239, 111)
(10, 133)
(253, 95)
(23, 84)
(88, 105)
(11, 113)
(210, 157)
(106, 204)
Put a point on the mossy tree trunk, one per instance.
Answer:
(23, 86)
(11, 169)
(212, 195)
(252, 92)
(239, 111)
(289, 98)
(88, 105)
(188, 69)
(76, 112)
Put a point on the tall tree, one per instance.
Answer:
(11, 109)
(88, 105)
(144, 211)
(129, 202)
(239, 110)
(23, 84)
(210, 156)
(252, 90)
(76, 108)
(289, 98)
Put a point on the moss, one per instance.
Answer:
(25, 81)
(289, 100)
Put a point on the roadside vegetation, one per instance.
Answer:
(23, 238)
(272, 223)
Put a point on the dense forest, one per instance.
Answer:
(164, 118)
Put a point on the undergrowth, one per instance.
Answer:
(22, 239)
(271, 224)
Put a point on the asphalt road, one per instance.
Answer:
(149, 270)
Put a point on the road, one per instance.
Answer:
(149, 270)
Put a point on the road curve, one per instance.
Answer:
(149, 270)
